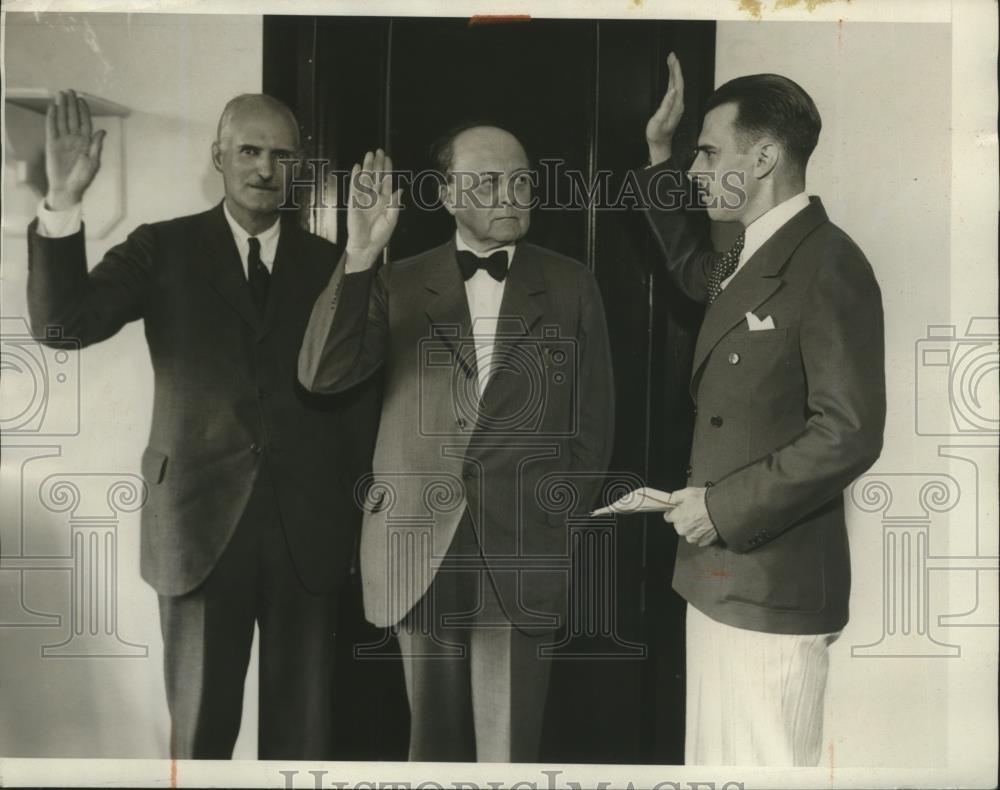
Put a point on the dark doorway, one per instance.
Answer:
(580, 92)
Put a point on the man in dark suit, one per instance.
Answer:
(497, 383)
(249, 516)
(789, 382)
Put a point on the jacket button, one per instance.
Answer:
(716, 421)
(256, 449)
(734, 359)
(688, 471)
(694, 411)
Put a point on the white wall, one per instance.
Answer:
(884, 170)
(175, 72)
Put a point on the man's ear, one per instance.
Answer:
(447, 195)
(217, 156)
(768, 156)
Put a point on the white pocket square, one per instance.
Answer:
(756, 324)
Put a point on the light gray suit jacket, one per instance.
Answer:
(542, 428)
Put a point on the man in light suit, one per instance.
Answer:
(789, 382)
(250, 510)
(497, 381)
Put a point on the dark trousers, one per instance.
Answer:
(208, 633)
(476, 685)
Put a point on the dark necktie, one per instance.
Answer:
(257, 274)
(469, 263)
(724, 267)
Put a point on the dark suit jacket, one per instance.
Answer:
(786, 419)
(546, 415)
(226, 394)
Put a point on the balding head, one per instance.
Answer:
(488, 185)
(255, 106)
(257, 139)
(477, 137)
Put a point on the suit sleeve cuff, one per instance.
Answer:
(725, 514)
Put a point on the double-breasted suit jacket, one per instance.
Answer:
(785, 418)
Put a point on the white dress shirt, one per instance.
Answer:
(268, 241)
(66, 222)
(765, 226)
(484, 295)
(59, 224)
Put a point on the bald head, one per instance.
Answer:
(477, 141)
(255, 107)
(488, 185)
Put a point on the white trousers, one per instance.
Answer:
(753, 698)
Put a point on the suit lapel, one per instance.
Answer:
(224, 270)
(757, 281)
(520, 308)
(744, 294)
(447, 307)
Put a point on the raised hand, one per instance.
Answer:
(663, 123)
(372, 210)
(72, 150)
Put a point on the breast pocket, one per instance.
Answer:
(762, 339)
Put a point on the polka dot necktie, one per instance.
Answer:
(257, 274)
(724, 267)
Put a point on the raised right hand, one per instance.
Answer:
(662, 125)
(72, 150)
(372, 210)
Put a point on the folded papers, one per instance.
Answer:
(641, 500)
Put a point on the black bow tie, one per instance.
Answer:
(469, 263)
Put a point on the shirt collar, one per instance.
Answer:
(268, 238)
(770, 222)
(460, 244)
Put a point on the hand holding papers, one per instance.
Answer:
(641, 500)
